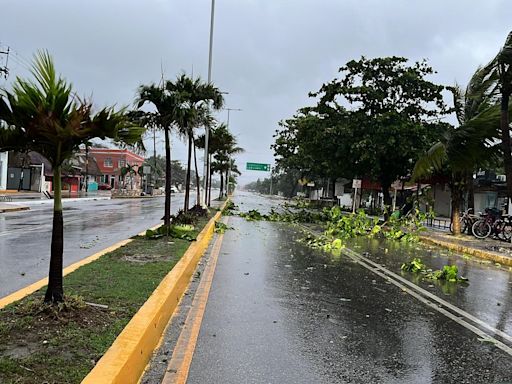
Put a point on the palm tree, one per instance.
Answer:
(498, 76)
(165, 101)
(461, 150)
(195, 96)
(44, 116)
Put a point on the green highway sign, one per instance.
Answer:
(258, 167)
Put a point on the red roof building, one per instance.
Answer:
(110, 162)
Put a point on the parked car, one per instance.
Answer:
(104, 187)
(173, 189)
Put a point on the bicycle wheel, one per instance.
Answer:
(481, 229)
(505, 232)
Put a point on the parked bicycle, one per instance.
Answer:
(467, 219)
(493, 223)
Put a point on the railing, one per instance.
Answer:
(442, 223)
(5, 198)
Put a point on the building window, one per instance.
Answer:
(121, 163)
(107, 162)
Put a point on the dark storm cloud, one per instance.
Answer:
(267, 54)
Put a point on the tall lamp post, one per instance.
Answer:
(207, 129)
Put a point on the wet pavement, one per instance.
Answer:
(89, 227)
(280, 312)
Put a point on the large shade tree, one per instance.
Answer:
(44, 115)
(392, 109)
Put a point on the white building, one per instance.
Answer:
(3, 171)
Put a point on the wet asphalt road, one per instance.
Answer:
(89, 227)
(279, 312)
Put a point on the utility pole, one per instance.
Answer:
(5, 69)
(206, 128)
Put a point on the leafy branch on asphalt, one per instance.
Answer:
(220, 227)
(448, 273)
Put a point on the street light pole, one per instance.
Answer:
(206, 128)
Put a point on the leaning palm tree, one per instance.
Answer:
(461, 150)
(44, 116)
(498, 81)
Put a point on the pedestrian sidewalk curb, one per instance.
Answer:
(64, 200)
(488, 255)
(6, 207)
(23, 292)
(125, 361)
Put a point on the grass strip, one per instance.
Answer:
(61, 344)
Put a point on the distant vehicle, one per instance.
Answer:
(104, 187)
(173, 189)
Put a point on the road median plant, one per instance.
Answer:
(61, 343)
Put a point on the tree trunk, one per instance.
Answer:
(198, 181)
(387, 199)
(167, 208)
(471, 190)
(505, 140)
(187, 181)
(207, 182)
(221, 185)
(456, 196)
(227, 182)
(55, 291)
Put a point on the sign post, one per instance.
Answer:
(356, 184)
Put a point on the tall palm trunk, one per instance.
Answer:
(187, 181)
(210, 182)
(55, 291)
(456, 197)
(207, 181)
(198, 185)
(167, 204)
(227, 182)
(221, 193)
(505, 139)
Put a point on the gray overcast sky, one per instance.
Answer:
(268, 54)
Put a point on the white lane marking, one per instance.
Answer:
(387, 275)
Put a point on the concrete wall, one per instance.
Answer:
(3, 171)
(442, 200)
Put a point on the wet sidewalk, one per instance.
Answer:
(490, 249)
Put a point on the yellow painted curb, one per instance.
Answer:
(488, 255)
(125, 361)
(20, 294)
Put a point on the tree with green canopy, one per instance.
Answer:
(389, 112)
(44, 115)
